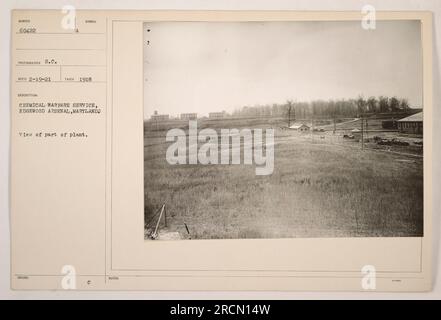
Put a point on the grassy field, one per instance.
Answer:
(322, 186)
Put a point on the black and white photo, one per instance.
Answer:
(283, 130)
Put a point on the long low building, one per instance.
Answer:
(411, 124)
(189, 116)
(216, 115)
(159, 117)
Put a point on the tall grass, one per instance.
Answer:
(314, 191)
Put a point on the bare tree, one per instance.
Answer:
(291, 112)
(394, 104)
(404, 105)
(361, 104)
(383, 103)
(372, 104)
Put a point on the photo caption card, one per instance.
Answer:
(228, 150)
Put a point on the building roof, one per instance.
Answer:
(417, 117)
(298, 125)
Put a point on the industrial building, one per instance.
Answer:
(412, 124)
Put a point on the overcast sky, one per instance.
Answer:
(203, 67)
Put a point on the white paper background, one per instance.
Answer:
(398, 5)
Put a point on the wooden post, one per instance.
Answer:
(155, 233)
(188, 231)
(165, 216)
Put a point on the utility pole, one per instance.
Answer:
(361, 105)
(290, 109)
(335, 126)
(294, 113)
(366, 129)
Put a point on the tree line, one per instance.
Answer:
(327, 108)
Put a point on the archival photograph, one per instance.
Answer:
(296, 129)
